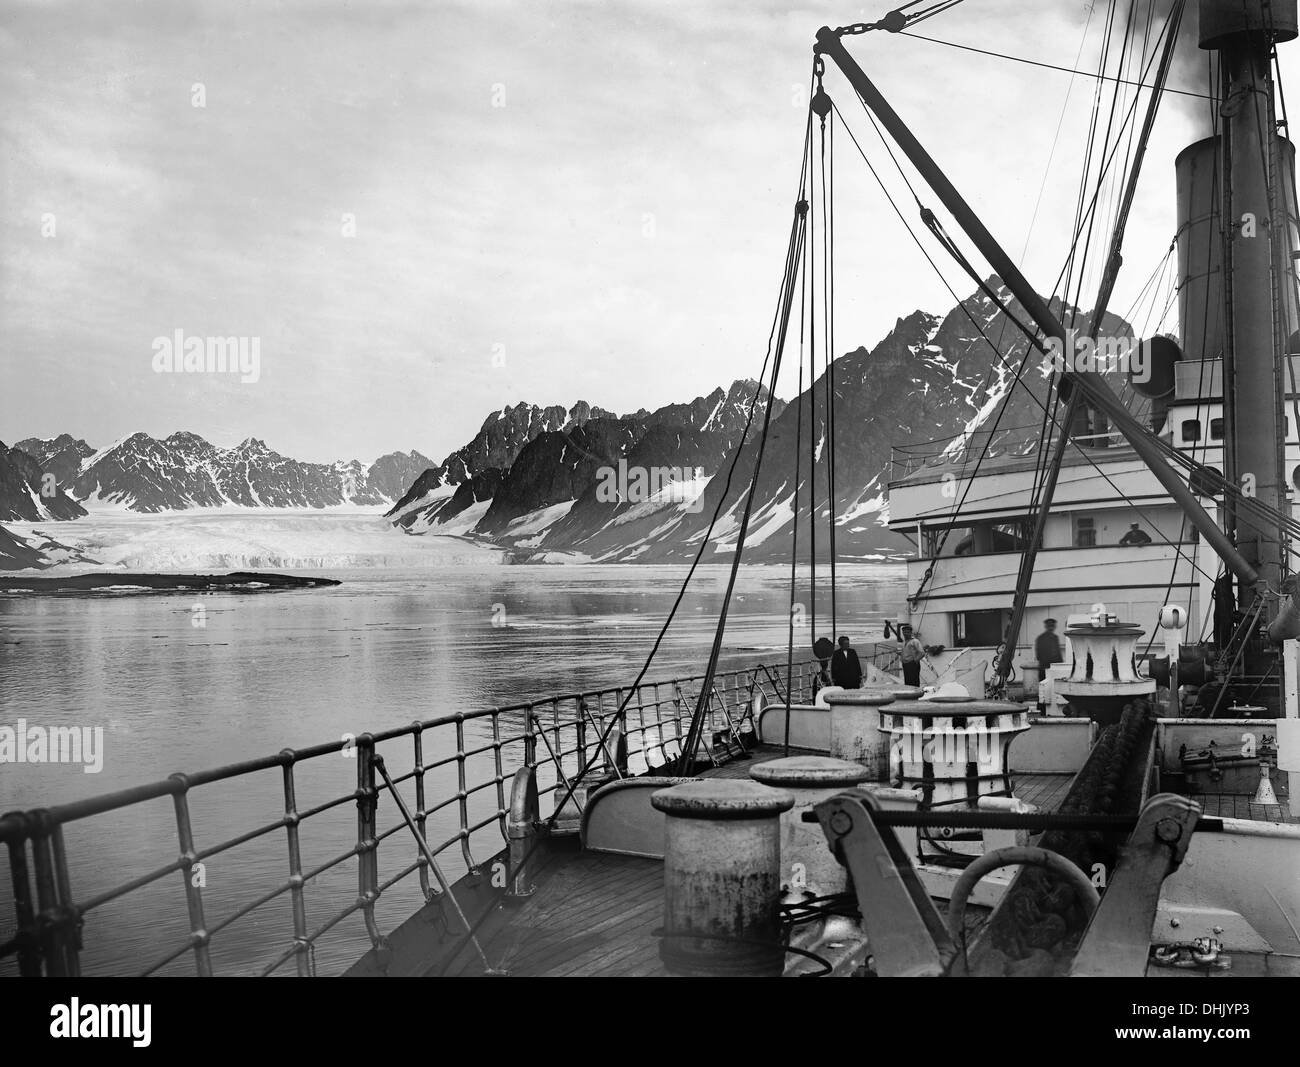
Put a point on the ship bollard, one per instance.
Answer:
(806, 863)
(722, 878)
(855, 729)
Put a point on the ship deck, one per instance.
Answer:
(1243, 806)
(595, 914)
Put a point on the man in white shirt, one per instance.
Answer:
(911, 654)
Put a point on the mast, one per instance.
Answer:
(1257, 238)
(1095, 390)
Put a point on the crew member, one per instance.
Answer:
(1135, 536)
(911, 654)
(845, 668)
(1047, 650)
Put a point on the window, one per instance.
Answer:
(1216, 429)
(1206, 481)
(982, 628)
(1085, 532)
(1191, 430)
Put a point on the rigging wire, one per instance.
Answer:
(1049, 66)
(722, 499)
(1016, 371)
(1031, 335)
(828, 339)
(797, 233)
(617, 716)
(1171, 29)
(794, 528)
(1060, 122)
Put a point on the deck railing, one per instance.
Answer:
(459, 770)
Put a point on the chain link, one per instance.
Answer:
(855, 28)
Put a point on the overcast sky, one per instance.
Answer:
(553, 201)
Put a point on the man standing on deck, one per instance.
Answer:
(1047, 650)
(845, 668)
(911, 655)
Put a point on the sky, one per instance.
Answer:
(425, 211)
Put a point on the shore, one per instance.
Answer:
(237, 581)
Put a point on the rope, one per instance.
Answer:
(794, 531)
(828, 343)
(798, 229)
(616, 717)
(1017, 371)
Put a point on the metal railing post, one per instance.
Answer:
(63, 884)
(56, 919)
(199, 937)
(26, 940)
(421, 816)
(530, 738)
(368, 837)
(462, 796)
(580, 716)
(500, 772)
(297, 891)
(557, 752)
(643, 746)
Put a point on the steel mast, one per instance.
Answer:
(1256, 246)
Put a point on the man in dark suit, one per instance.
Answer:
(1135, 536)
(845, 668)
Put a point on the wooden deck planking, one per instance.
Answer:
(1044, 791)
(739, 768)
(595, 913)
(1241, 806)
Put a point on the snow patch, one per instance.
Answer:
(535, 522)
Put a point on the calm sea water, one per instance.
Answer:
(181, 683)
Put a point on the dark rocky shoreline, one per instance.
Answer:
(235, 582)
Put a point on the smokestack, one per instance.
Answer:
(1199, 176)
(1259, 246)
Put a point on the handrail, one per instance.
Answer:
(45, 922)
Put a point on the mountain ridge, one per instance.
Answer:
(932, 378)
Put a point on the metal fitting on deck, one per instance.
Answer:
(722, 878)
(521, 832)
(807, 865)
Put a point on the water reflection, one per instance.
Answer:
(265, 672)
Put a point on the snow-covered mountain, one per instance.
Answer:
(553, 483)
(932, 378)
(527, 459)
(61, 456)
(27, 494)
(143, 473)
